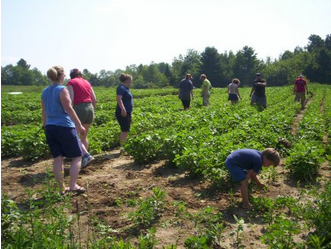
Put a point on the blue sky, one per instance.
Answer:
(112, 34)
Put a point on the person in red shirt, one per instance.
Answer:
(84, 101)
(300, 88)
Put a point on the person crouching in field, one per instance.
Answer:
(186, 91)
(245, 164)
(233, 91)
(61, 125)
(124, 107)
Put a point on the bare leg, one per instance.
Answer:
(84, 137)
(74, 171)
(58, 170)
(123, 137)
(244, 193)
(84, 150)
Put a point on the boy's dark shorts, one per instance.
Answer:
(186, 103)
(237, 174)
(125, 122)
(63, 141)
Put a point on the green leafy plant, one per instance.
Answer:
(280, 233)
(238, 230)
(149, 210)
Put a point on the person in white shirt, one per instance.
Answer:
(233, 91)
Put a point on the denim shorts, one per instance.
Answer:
(125, 122)
(237, 174)
(63, 141)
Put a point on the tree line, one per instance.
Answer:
(314, 61)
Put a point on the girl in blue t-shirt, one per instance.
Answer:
(61, 125)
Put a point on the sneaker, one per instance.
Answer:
(86, 160)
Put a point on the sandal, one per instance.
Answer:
(66, 190)
(78, 191)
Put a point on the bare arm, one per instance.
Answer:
(66, 104)
(255, 179)
(43, 113)
(252, 91)
(121, 105)
(262, 83)
(94, 98)
(71, 93)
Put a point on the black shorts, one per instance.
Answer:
(186, 103)
(63, 141)
(125, 122)
(233, 96)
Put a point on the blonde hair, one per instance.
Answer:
(54, 73)
(124, 77)
(236, 81)
(272, 155)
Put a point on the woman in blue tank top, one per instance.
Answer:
(61, 125)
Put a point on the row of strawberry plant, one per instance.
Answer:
(203, 151)
(327, 116)
(287, 217)
(261, 130)
(308, 151)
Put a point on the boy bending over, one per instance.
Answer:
(245, 164)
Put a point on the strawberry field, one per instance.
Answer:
(172, 189)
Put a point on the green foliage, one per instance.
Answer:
(22, 75)
(44, 224)
(280, 234)
(238, 230)
(318, 214)
(147, 241)
(149, 210)
(304, 160)
(195, 242)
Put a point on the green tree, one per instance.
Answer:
(227, 61)
(315, 42)
(22, 75)
(191, 64)
(246, 65)
(211, 66)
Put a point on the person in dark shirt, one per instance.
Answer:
(245, 164)
(124, 107)
(186, 91)
(257, 94)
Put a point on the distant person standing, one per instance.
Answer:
(300, 88)
(124, 107)
(84, 101)
(186, 91)
(258, 91)
(61, 125)
(233, 91)
(206, 87)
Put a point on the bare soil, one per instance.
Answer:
(111, 178)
